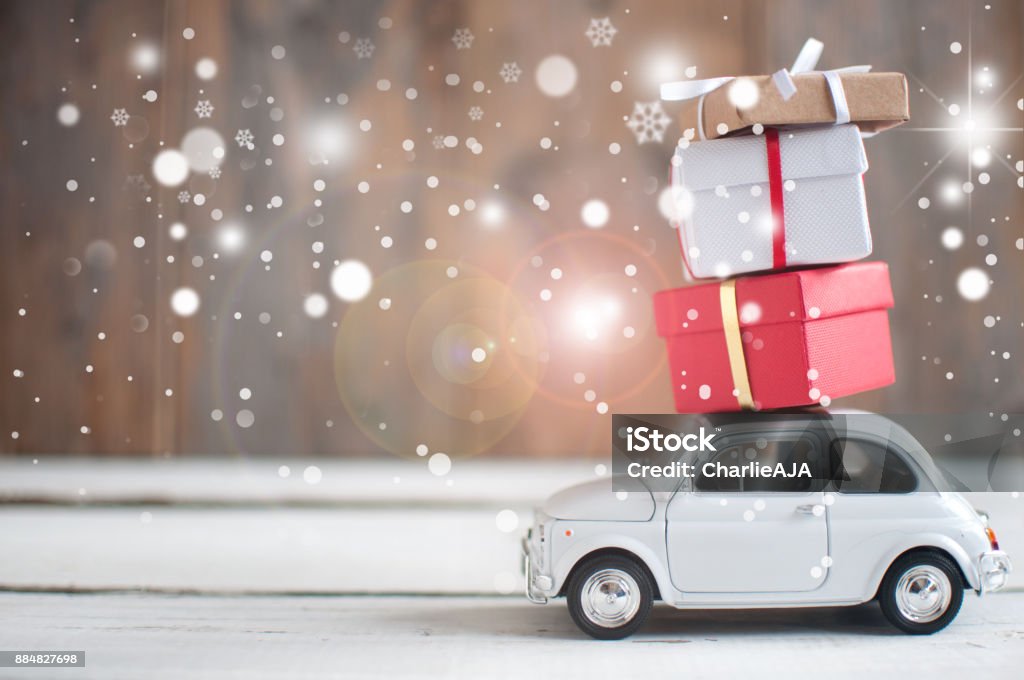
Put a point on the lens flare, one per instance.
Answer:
(592, 317)
(452, 362)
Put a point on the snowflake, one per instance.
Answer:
(476, 113)
(245, 138)
(510, 72)
(648, 122)
(463, 39)
(120, 117)
(184, 197)
(204, 109)
(438, 141)
(215, 172)
(364, 48)
(601, 32)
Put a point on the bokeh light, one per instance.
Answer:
(556, 75)
(328, 140)
(952, 238)
(185, 301)
(315, 305)
(145, 58)
(68, 115)
(743, 93)
(203, 149)
(170, 167)
(595, 213)
(206, 68)
(231, 238)
(351, 280)
(973, 284)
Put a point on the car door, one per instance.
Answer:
(880, 499)
(751, 534)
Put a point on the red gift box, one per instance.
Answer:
(778, 340)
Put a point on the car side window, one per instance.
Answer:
(729, 456)
(860, 466)
(791, 452)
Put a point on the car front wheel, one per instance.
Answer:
(921, 593)
(610, 597)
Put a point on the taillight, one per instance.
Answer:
(992, 540)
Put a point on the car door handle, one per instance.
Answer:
(808, 509)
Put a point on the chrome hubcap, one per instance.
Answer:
(923, 593)
(610, 598)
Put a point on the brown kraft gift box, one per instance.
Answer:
(877, 101)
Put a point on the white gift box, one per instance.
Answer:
(779, 199)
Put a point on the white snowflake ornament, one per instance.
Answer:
(510, 72)
(648, 122)
(245, 139)
(463, 39)
(364, 48)
(600, 32)
(476, 113)
(120, 117)
(204, 109)
(184, 197)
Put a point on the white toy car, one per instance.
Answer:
(878, 525)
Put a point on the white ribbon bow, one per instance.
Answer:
(805, 62)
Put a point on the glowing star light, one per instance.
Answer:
(978, 126)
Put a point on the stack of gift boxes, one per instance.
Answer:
(768, 179)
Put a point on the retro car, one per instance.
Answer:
(877, 524)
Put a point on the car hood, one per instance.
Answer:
(596, 501)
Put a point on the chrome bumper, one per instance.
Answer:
(534, 581)
(993, 569)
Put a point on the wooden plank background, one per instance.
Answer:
(323, 387)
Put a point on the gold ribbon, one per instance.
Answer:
(734, 344)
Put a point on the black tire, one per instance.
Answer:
(919, 573)
(606, 575)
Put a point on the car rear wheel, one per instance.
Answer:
(610, 597)
(921, 593)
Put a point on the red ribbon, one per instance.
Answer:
(771, 136)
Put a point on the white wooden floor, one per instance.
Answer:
(160, 637)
